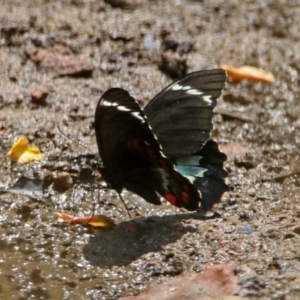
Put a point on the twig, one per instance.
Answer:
(281, 176)
(234, 115)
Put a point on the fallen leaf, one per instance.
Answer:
(20, 152)
(95, 221)
(217, 281)
(248, 73)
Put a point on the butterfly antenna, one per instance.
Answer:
(125, 206)
(73, 140)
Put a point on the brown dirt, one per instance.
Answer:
(134, 46)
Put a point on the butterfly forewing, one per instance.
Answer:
(181, 114)
(119, 119)
(132, 156)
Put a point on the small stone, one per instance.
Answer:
(39, 96)
(62, 181)
(274, 235)
(256, 224)
(13, 78)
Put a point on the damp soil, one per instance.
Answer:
(142, 46)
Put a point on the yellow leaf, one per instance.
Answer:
(248, 73)
(20, 152)
(101, 221)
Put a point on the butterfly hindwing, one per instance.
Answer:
(205, 170)
(181, 117)
(131, 155)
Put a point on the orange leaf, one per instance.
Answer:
(95, 221)
(248, 73)
(20, 152)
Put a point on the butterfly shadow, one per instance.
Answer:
(129, 240)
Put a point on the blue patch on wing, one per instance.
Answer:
(205, 170)
(189, 166)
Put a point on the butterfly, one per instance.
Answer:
(180, 119)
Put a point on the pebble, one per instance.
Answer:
(62, 181)
(39, 96)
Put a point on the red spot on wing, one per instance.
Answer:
(171, 198)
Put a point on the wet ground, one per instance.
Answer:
(140, 46)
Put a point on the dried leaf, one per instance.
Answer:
(20, 152)
(248, 73)
(95, 221)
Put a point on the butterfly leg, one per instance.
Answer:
(121, 198)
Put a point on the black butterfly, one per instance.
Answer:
(180, 116)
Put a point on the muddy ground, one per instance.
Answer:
(140, 46)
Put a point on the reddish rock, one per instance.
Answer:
(58, 60)
(38, 96)
(217, 281)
